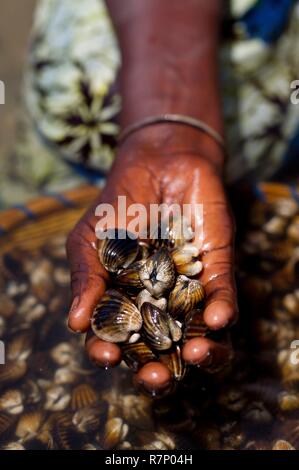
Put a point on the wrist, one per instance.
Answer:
(164, 139)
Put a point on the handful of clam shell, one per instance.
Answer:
(154, 303)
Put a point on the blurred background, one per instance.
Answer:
(15, 24)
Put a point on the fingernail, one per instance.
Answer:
(75, 304)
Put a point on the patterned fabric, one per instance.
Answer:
(73, 105)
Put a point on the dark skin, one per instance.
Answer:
(169, 65)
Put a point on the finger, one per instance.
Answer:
(102, 353)
(214, 236)
(206, 353)
(153, 377)
(88, 277)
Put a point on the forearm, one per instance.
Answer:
(169, 58)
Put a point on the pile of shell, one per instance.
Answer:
(51, 397)
(154, 304)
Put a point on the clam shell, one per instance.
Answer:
(171, 232)
(118, 252)
(7, 306)
(29, 424)
(11, 402)
(175, 329)
(83, 395)
(185, 260)
(129, 277)
(12, 372)
(158, 273)
(65, 434)
(115, 318)
(57, 398)
(20, 347)
(115, 431)
(195, 325)
(155, 330)
(175, 363)
(63, 353)
(282, 445)
(145, 296)
(187, 293)
(87, 419)
(137, 354)
(137, 411)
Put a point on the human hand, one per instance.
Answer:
(148, 170)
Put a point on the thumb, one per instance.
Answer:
(88, 277)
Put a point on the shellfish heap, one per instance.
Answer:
(154, 303)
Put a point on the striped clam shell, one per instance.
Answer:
(158, 273)
(118, 250)
(155, 330)
(82, 396)
(195, 325)
(174, 361)
(129, 277)
(12, 371)
(187, 293)
(115, 318)
(137, 354)
(65, 434)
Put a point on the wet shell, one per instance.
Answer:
(11, 402)
(7, 306)
(158, 273)
(20, 347)
(12, 372)
(156, 441)
(137, 411)
(185, 260)
(145, 296)
(195, 325)
(115, 318)
(82, 396)
(171, 232)
(155, 330)
(288, 401)
(63, 353)
(87, 420)
(282, 445)
(57, 398)
(137, 354)
(29, 424)
(115, 431)
(129, 278)
(187, 293)
(41, 280)
(175, 329)
(119, 252)
(65, 434)
(175, 363)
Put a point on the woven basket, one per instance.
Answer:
(29, 226)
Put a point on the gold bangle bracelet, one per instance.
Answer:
(174, 119)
